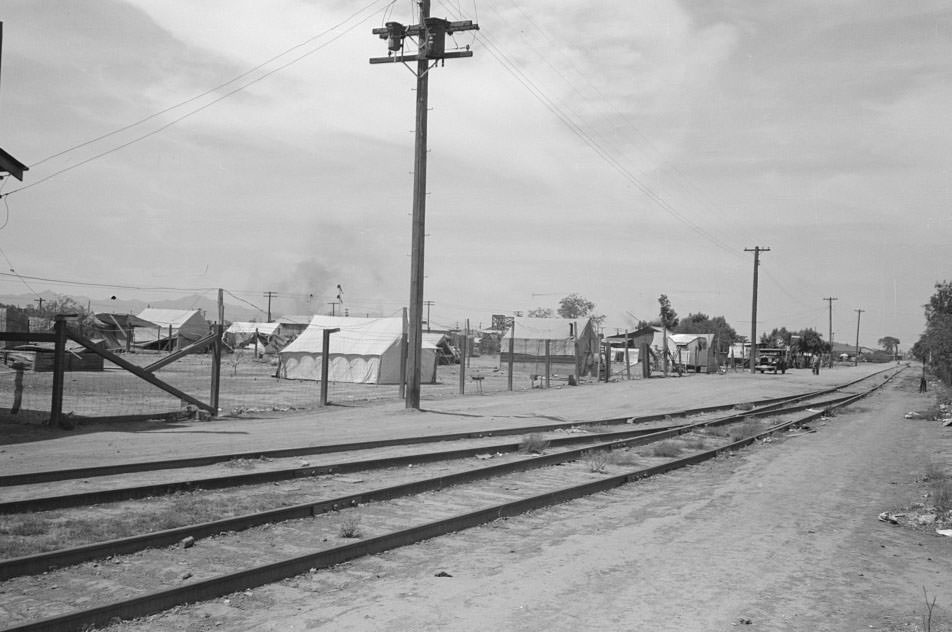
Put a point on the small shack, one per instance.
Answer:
(174, 328)
(77, 358)
(572, 346)
(364, 351)
(694, 352)
(116, 330)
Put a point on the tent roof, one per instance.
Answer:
(357, 336)
(242, 327)
(296, 319)
(684, 339)
(124, 321)
(543, 328)
(433, 338)
(166, 317)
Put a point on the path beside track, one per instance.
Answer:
(145, 441)
(784, 536)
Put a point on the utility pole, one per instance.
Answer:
(333, 305)
(430, 35)
(428, 304)
(859, 312)
(270, 295)
(830, 299)
(39, 300)
(753, 307)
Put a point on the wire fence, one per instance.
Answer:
(105, 386)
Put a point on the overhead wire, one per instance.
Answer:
(200, 108)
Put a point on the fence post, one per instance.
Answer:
(512, 349)
(548, 363)
(403, 357)
(216, 353)
(326, 362)
(627, 363)
(463, 359)
(59, 367)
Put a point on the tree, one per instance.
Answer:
(776, 338)
(541, 312)
(934, 347)
(575, 306)
(812, 342)
(669, 317)
(701, 323)
(889, 344)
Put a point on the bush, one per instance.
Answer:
(533, 444)
(667, 448)
(350, 526)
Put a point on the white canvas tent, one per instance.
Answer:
(242, 334)
(364, 351)
(573, 345)
(175, 328)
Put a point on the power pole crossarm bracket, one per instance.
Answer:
(415, 30)
(400, 58)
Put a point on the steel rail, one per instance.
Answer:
(254, 577)
(48, 476)
(42, 562)
(136, 492)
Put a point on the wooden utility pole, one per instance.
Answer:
(859, 312)
(753, 307)
(428, 304)
(270, 295)
(430, 35)
(39, 300)
(216, 352)
(333, 305)
(830, 299)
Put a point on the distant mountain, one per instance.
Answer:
(208, 306)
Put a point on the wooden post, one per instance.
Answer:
(256, 343)
(326, 362)
(627, 358)
(548, 364)
(608, 361)
(170, 338)
(462, 363)
(512, 349)
(59, 368)
(216, 353)
(403, 358)
(644, 356)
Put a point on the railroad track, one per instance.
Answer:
(311, 535)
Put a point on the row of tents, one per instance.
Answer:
(368, 350)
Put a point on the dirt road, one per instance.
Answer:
(781, 536)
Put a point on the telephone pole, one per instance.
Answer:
(39, 300)
(430, 36)
(270, 295)
(753, 309)
(830, 299)
(859, 312)
(428, 304)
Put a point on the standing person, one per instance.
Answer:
(815, 363)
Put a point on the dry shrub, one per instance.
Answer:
(940, 486)
(599, 460)
(533, 444)
(745, 430)
(667, 448)
(350, 526)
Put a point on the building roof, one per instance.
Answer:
(357, 336)
(166, 317)
(9, 164)
(242, 327)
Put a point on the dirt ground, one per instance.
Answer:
(781, 536)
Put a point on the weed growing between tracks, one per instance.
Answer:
(29, 534)
(350, 526)
(533, 444)
(940, 487)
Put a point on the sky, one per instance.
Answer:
(618, 151)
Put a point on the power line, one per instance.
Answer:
(192, 112)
